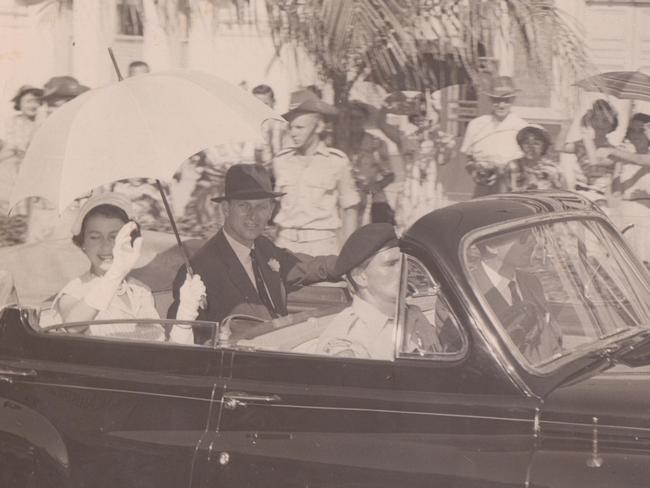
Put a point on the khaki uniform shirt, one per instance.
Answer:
(316, 187)
(362, 331)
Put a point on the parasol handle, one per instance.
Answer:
(186, 258)
(117, 68)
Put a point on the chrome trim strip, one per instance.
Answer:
(408, 412)
(589, 426)
(116, 390)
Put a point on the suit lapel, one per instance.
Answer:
(236, 273)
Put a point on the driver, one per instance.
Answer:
(517, 295)
(370, 261)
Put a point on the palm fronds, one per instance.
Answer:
(392, 39)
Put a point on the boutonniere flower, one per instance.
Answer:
(274, 265)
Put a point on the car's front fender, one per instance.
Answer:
(29, 441)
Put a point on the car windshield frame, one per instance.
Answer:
(626, 261)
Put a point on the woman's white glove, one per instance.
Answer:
(125, 254)
(101, 290)
(192, 295)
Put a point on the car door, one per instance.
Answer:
(293, 418)
(118, 412)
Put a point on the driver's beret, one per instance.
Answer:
(362, 244)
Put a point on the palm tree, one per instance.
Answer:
(402, 43)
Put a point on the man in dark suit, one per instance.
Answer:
(516, 295)
(243, 271)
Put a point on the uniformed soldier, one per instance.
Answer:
(320, 196)
(370, 261)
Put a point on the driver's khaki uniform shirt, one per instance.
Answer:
(362, 331)
(359, 331)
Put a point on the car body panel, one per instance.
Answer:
(236, 415)
(130, 405)
(366, 423)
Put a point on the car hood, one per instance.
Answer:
(619, 396)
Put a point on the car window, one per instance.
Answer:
(559, 287)
(428, 328)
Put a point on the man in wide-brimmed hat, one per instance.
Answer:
(491, 140)
(321, 199)
(244, 271)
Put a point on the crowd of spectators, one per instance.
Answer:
(340, 167)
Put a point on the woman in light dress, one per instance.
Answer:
(106, 233)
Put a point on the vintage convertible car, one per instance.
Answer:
(493, 406)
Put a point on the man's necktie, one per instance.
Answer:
(262, 289)
(514, 293)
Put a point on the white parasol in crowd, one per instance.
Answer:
(144, 126)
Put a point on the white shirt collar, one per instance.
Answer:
(243, 252)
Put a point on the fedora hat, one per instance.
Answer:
(501, 87)
(247, 182)
(63, 87)
(306, 101)
(24, 90)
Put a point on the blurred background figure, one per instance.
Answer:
(490, 140)
(630, 209)
(371, 166)
(43, 218)
(593, 175)
(20, 129)
(534, 170)
(138, 68)
(423, 146)
(61, 89)
(274, 132)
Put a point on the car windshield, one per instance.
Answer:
(559, 287)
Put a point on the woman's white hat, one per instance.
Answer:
(106, 198)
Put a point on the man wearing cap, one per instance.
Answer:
(491, 140)
(370, 261)
(320, 196)
(243, 271)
